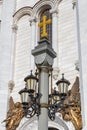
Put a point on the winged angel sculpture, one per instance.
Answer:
(14, 115)
(72, 111)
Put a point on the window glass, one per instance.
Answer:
(48, 26)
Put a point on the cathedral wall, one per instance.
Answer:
(67, 41)
(5, 56)
(22, 54)
(23, 3)
(67, 48)
(66, 51)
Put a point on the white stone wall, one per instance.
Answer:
(22, 54)
(67, 48)
(67, 40)
(67, 44)
(0, 8)
(23, 3)
(5, 55)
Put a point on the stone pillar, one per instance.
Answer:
(81, 8)
(55, 34)
(5, 55)
(14, 31)
(44, 55)
(55, 44)
(33, 39)
(44, 90)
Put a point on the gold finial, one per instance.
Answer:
(43, 25)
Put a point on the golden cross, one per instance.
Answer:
(43, 25)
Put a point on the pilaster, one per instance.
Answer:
(5, 55)
(55, 34)
(13, 46)
(33, 22)
(82, 49)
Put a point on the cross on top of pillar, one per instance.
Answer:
(43, 25)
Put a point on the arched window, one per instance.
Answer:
(48, 15)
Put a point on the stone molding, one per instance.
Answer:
(54, 11)
(33, 122)
(33, 20)
(21, 12)
(43, 4)
(34, 11)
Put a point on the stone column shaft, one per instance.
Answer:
(44, 87)
(33, 39)
(44, 55)
(14, 28)
(55, 35)
(82, 50)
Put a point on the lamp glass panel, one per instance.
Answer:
(32, 83)
(63, 88)
(24, 97)
(29, 84)
(35, 85)
(59, 88)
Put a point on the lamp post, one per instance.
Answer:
(36, 99)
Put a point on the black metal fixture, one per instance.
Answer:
(30, 97)
(56, 102)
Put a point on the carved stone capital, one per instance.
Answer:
(44, 54)
(55, 11)
(32, 20)
(74, 3)
(14, 28)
